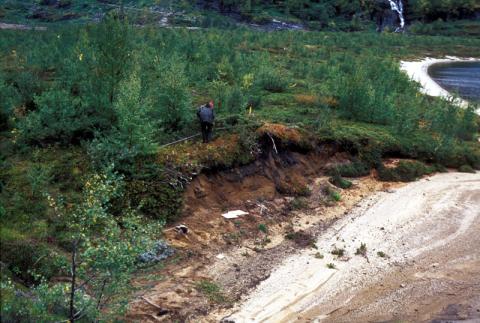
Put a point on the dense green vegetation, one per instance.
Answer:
(324, 11)
(425, 16)
(85, 111)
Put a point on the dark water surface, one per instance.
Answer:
(461, 78)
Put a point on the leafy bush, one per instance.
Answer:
(8, 99)
(43, 303)
(108, 150)
(105, 247)
(298, 203)
(234, 101)
(156, 192)
(381, 254)
(354, 169)
(30, 261)
(60, 117)
(406, 171)
(340, 182)
(271, 80)
(466, 169)
(332, 194)
(170, 95)
(133, 123)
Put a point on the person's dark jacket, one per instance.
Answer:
(206, 114)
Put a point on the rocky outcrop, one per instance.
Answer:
(385, 17)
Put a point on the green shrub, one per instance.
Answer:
(421, 28)
(340, 182)
(354, 169)
(466, 169)
(298, 203)
(362, 250)
(263, 228)
(382, 254)
(157, 193)
(271, 80)
(234, 101)
(8, 99)
(406, 171)
(60, 117)
(30, 261)
(133, 113)
(332, 194)
(170, 96)
(339, 252)
(42, 303)
(439, 168)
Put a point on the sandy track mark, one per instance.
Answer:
(429, 231)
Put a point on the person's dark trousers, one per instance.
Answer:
(206, 131)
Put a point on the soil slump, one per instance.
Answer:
(236, 254)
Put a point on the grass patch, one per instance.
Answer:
(331, 266)
(362, 250)
(382, 254)
(262, 227)
(212, 291)
(339, 252)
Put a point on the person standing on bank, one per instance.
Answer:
(206, 117)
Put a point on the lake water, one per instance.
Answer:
(462, 78)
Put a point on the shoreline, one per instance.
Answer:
(418, 72)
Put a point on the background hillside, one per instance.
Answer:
(313, 15)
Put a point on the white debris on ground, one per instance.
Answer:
(234, 214)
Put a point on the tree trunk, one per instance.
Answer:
(74, 273)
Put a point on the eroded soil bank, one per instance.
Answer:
(421, 262)
(288, 198)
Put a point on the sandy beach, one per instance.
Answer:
(418, 71)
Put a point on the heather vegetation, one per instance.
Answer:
(86, 111)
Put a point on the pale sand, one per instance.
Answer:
(428, 229)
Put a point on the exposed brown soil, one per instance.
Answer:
(235, 254)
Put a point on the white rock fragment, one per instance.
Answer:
(234, 214)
